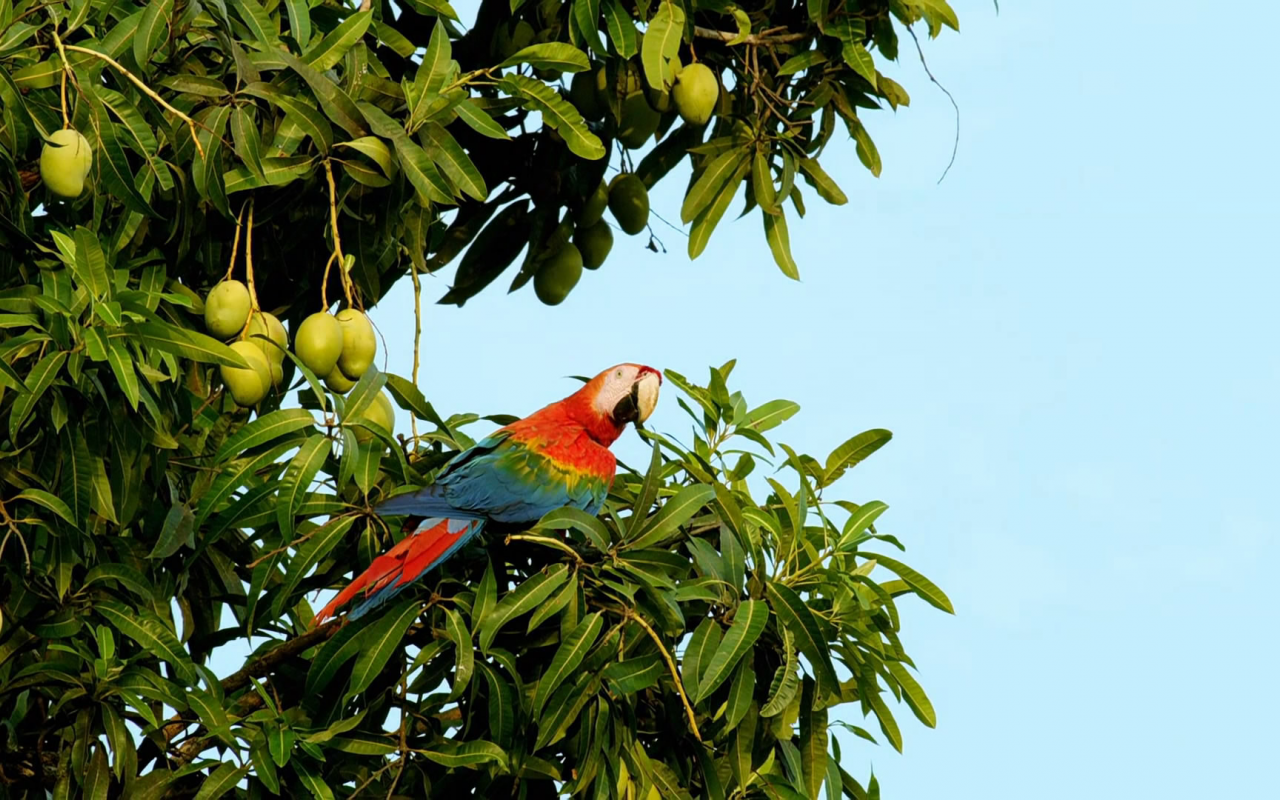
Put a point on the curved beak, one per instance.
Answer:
(638, 404)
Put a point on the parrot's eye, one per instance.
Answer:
(618, 374)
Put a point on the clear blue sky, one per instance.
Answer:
(1074, 339)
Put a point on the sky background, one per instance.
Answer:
(1074, 340)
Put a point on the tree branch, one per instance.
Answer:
(754, 38)
(256, 667)
(265, 663)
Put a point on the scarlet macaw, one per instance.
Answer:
(556, 457)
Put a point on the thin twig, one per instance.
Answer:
(66, 70)
(671, 665)
(248, 258)
(547, 540)
(147, 90)
(337, 239)
(417, 343)
(955, 148)
(752, 39)
(235, 246)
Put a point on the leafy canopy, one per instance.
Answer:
(694, 640)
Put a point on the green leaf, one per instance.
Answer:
(153, 30)
(127, 577)
(859, 521)
(486, 597)
(414, 160)
(705, 223)
(266, 428)
(42, 498)
(697, 655)
(801, 62)
(469, 754)
(375, 149)
(38, 381)
(457, 632)
(744, 737)
(921, 585)
(762, 184)
(556, 112)
(738, 641)
(410, 398)
(803, 625)
(210, 711)
(196, 85)
(551, 55)
(633, 674)
(813, 740)
(186, 343)
(151, 634)
(207, 168)
(816, 177)
(330, 50)
(675, 512)
(450, 157)
(857, 57)
(785, 683)
(711, 182)
(622, 31)
(648, 493)
(479, 121)
(90, 264)
(502, 705)
(178, 526)
(579, 520)
(260, 24)
(97, 779)
(299, 21)
(867, 152)
(297, 479)
(320, 542)
(914, 694)
(521, 601)
(662, 42)
(887, 723)
(236, 475)
(309, 120)
(563, 708)
(379, 642)
(573, 649)
(939, 13)
(336, 103)
(248, 143)
(584, 25)
(122, 365)
(340, 649)
(314, 783)
(740, 694)
(775, 232)
(769, 415)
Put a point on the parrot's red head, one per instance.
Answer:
(621, 394)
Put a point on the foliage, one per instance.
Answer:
(671, 646)
(194, 107)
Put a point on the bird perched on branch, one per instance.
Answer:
(554, 458)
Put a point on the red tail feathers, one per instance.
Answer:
(433, 542)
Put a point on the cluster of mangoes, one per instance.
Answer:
(338, 348)
(586, 241)
(694, 90)
(65, 161)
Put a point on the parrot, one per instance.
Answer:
(556, 457)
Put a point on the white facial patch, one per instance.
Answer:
(617, 385)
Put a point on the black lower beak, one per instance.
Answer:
(628, 408)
